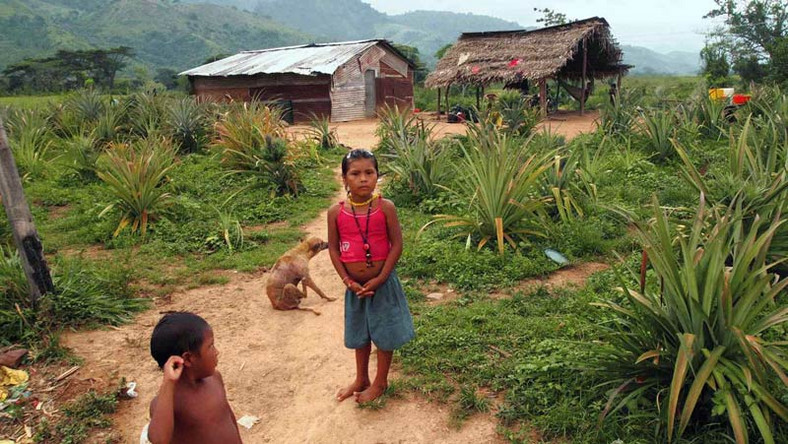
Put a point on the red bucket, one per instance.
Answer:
(741, 99)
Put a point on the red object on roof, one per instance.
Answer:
(514, 63)
(475, 69)
(741, 99)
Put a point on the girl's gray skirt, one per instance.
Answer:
(383, 318)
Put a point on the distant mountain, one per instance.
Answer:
(181, 34)
(163, 33)
(353, 19)
(647, 61)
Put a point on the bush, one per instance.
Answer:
(694, 345)
(85, 294)
(136, 174)
(496, 180)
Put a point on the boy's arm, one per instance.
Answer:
(229, 407)
(162, 418)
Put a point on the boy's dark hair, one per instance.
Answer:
(355, 155)
(176, 333)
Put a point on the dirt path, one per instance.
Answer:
(283, 367)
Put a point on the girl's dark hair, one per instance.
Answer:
(176, 333)
(355, 155)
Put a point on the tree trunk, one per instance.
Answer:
(25, 236)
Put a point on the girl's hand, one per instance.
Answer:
(355, 287)
(173, 369)
(372, 285)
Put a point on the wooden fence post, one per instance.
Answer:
(25, 235)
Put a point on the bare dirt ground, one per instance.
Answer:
(283, 367)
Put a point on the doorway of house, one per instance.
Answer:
(369, 90)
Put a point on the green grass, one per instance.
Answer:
(80, 416)
(31, 102)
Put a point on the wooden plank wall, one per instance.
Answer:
(348, 90)
(308, 94)
(341, 96)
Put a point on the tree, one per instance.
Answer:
(550, 17)
(756, 29)
(167, 77)
(716, 68)
(412, 53)
(442, 51)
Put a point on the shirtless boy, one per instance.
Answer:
(191, 406)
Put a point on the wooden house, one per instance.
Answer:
(343, 80)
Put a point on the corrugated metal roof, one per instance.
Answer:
(312, 59)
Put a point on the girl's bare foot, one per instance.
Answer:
(355, 387)
(372, 393)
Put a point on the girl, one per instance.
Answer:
(365, 243)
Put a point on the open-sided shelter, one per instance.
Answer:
(343, 80)
(579, 50)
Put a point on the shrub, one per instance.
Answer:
(401, 126)
(188, 126)
(695, 344)
(136, 174)
(81, 156)
(422, 165)
(321, 132)
(251, 140)
(31, 141)
(496, 179)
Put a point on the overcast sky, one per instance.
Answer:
(662, 25)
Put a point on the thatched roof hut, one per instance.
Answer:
(480, 58)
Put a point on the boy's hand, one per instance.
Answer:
(173, 368)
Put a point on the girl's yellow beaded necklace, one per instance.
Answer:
(362, 204)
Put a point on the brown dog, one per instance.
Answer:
(292, 268)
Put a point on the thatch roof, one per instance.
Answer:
(512, 56)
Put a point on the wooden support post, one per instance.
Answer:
(478, 93)
(543, 96)
(448, 104)
(439, 102)
(585, 67)
(25, 236)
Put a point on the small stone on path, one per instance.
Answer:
(435, 296)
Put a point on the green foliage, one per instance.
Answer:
(659, 127)
(716, 68)
(85, 294)
(694, 345)
(87, 412)
(755, 29)
(516, 115)
(30, 140)
(423, 166)
(321, 132)
(81, 156)
(188, 125)
(136, 174)
(496, 180)
(251, 140)
(402, 127)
